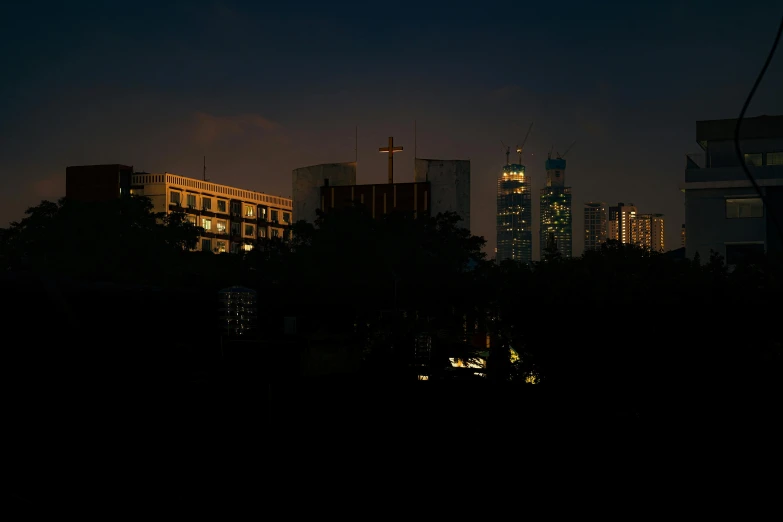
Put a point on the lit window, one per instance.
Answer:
(753, 159)
(221, 246)
(774, 158)
(221, 226)
(247, 247)
(206, 224)
(741, 208)
(261, 231)
(249, 211)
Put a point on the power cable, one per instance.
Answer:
(740, 157)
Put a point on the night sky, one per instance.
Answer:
(261, 90)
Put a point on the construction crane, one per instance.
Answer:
(521, 147)
(506, 150)
(566, 152)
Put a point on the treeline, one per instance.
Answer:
(618, 318)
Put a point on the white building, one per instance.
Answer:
(723, 211)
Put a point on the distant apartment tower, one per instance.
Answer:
(647, 232)
(723, 211)
(682, 236)
(595, 225)
(619, 227)
(555, 203)
(233, 219)
(514, 215)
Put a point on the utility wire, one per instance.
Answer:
(737, 148)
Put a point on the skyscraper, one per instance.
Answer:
(515, 217)
(647, 232)
(619, 224)
(595, 225)
(556, 207)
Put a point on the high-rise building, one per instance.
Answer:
(233, 219)
(595, 225)
(723, 210)
(647, 232)
(619, 224)
(556, 208)
(514, 215)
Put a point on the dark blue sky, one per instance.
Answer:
(261, 90)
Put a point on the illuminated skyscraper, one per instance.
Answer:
(515, 216)
(595, 225)
(619, 225)
(647, 232)
(556, 207)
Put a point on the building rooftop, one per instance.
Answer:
(758, 127)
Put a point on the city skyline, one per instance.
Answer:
(203, 82)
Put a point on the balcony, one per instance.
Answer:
(696, 160)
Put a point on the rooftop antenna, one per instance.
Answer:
(520, 148)
(506, 149)
(566, 152)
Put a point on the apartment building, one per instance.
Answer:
(723, 211)
(647, 232)
(233, 219)
(595, 225)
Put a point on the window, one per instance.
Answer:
(221, 246)
(206, 224)
(221, 206)
(774, 158)
(286, 217)
(249, 211)
(192, 200)
(275, 232)
(175, 198)
(262, 213)
(753, 159)
(247, 247)
(236, 208)
(741, 208)
(206, 203)
(274, 216)
(206, 245)
(236, 229)
(261, 231)
(234, 248)
(250, 230)
(221, 226)
(190, 218)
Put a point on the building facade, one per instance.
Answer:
(647, 232)
(514, 215)
(555, 208)
(308, 181)
(233, 219)
(438, 186)
(619, 226)
(723, 211)
(595, 225)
